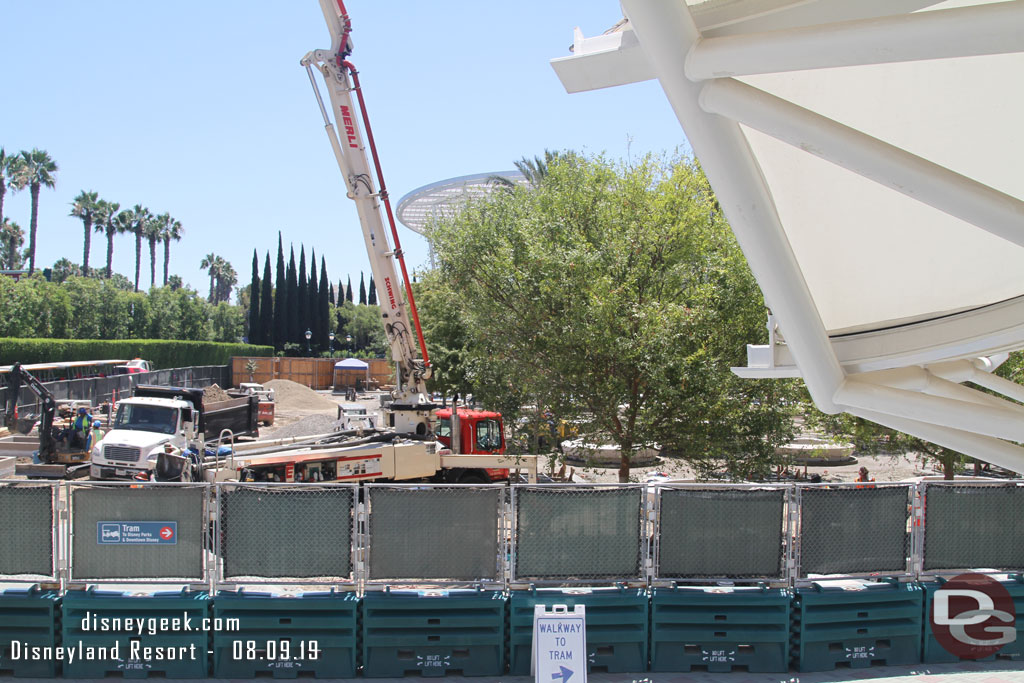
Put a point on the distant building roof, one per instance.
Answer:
(443, 197)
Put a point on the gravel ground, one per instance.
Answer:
(308, 426)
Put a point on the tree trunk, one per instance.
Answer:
(110, 251)
(167, 257)
(88, 245)
(211, 284)
(138, 259)
(3, 191)
(34, 191)
(625, 453)
(948, 467)
(152, 263)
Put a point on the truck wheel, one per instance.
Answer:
(474, 477)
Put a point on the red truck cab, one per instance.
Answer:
(481, 432)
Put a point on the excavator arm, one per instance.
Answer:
(17, 377)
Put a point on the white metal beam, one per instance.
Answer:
(666, 31)
(923, 180)
(960, 32)
(984, 448)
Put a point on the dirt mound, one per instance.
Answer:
(308, 426)
(214, 394)
(291, 395)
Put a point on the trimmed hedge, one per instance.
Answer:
(163, 354)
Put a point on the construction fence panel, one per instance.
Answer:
(286, 531)
(706, 532)
(131, 532)
(28, 542)
(851, 529)
(574, 533)
(973, 526)
(446, 533)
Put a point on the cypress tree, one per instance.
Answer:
(324, 307)
(294, 335)
(267, 307)
(312, 307)
(255, 333)
(304, 321)
(371, 296)
(330, 290)
(280, 327)
(348, 290)
(362, 288)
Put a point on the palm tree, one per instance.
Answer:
(11, 238)
(34, 171)
(211, 261)
(227, 278)
(8, 167)
(86, 207)
(152, 231)
(534, 170)
(137, 218)
(170, 229)
(109, 222)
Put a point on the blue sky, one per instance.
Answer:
(200, 109)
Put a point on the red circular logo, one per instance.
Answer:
(972, 616)
(167, 533)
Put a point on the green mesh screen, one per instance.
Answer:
(721, 532)
(184, 505)
(26, 530)
(308, 528)
(979, 527)
(852, 530)
(446, 533)
(578, 533)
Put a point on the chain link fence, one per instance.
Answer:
(286, 532)
(704, 532)
(853, 529)
(574, 534)
(443, 534)
(151, 532)
(973, 526)
(28, 539)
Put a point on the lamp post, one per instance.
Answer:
(309, 335)
(331, 337)
(348, 342)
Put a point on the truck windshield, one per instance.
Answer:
(488, 435)
(146, 418)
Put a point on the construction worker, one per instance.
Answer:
(81, 427)
(96, 435)
(864, 477)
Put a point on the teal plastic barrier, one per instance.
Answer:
(720, 629)
(127, 634)
(857, 624)
(934, 653)
(433, 633)
(309, 634)
(616, 620)
(29, 622)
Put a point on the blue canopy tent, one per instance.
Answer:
(351, 372)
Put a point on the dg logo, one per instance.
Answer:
(973, 616)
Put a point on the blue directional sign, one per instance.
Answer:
(564, 674)
(137, 533)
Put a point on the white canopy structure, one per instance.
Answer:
(868, 158)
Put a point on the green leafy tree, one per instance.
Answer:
(86, 208)
(175, 282)
(110, 222)
(608, 293)
(62, 269)
(170, 230)
(294, 333)
(7, 168)
(210, 262)
(268, 334)
(312, 304)
(303, 298)
(324, 305)
(35, 170)
(255, 332)
(11, 240)
(280, 327)
(227, 322)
